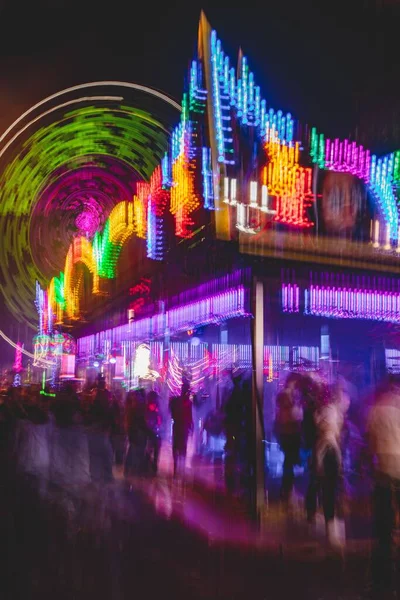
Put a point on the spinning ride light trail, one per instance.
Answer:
(43, 362)
(91, 155)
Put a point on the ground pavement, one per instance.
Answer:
(152, 538)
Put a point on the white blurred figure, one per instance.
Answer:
(33, 439)
(70, 455)
(329, 419)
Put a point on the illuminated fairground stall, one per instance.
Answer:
(251, 246)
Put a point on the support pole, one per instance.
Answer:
(257, 345)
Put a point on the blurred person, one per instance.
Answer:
(100, 420)
(329, 420)
(135, 423)
(288, 424)
(118, 436)
(182, 416)
(33, 439)
(70, 464)
(214, 429)
(154, 429)
(314, 392)
(233, 417)
(383, 434)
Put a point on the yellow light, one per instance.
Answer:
(288, 181)
(122, 222)
(184, 200)
(140, 209)
(80, 251)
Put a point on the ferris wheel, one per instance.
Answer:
(64, 164)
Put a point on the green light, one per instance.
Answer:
(106, 253)
(77, 138)
(43, 393)
(59, 290)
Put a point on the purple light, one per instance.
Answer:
(346, 303)
(88, 222)
(290, 298)
(347, 157)
(229, 304)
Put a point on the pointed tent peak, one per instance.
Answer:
(204, 34)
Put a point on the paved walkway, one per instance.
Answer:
(201, 504)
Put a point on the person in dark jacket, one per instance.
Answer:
(182, 416)
(288, 428)
(136, 429)
(153, 425)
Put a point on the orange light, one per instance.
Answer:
(80, 251)
(140, 209)
(184, 200)
(289, 182)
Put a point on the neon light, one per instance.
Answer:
(213, 309)
(140, 209)
(289, 182)
(208, 192)
(290, 298)
(222, 80)
(345, 303)
(81, 135)
(18, 358)
(157, 203)
(80, 251)
(184, 200)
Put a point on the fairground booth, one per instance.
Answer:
(256, 245)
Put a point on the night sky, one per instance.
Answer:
(334, 64)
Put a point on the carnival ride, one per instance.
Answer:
(100, 169)
(65, 164)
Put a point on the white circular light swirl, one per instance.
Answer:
(133, 86)
(47, 363)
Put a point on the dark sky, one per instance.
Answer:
(334, 64)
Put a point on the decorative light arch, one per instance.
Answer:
(80, 251)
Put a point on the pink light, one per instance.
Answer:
(18, 358)
(347, 157)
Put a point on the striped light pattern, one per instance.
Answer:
(289, 182)
(290, 298)
(379, 174)
(232, 303)
(345, 303)
(184, 197)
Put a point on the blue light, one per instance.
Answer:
(232, 86)
(166, 174)
(257, 103)
(381, 185)
(207, 179)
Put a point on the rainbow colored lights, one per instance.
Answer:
(379, 174)
(73, 170)
(97, 171)
(184, 198)
(158, 200)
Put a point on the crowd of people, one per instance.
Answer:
(67, 441)
(312, 427)
(69, 438)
